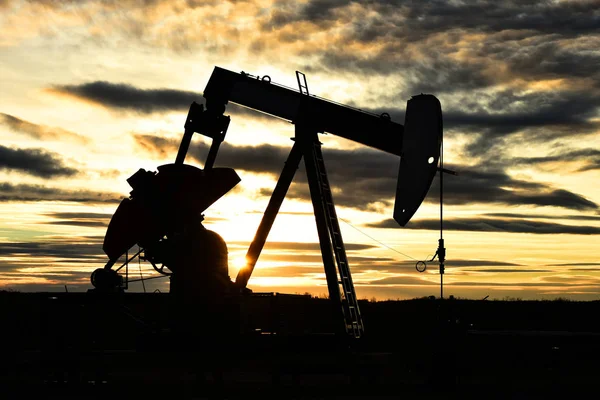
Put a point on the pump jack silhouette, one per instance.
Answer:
(163, 215)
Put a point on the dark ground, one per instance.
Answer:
(87, 345)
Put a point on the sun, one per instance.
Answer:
(238, 262)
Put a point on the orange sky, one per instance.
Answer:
(91, 91)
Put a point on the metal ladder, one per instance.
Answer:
(353, 320)
(302, 84)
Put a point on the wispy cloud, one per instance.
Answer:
(25, 192)
(493, 225)
(590, 158)
(87, 219)
(576, 217)
(40, 132)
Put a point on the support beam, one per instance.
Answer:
(283, 184)
(184, 146)
(212, 153)
(309, 139)
(377, 131)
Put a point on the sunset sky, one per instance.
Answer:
(91, 91)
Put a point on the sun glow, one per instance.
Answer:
(238, 263)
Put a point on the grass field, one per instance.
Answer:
(284, 346)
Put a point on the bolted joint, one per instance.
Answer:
(441, 251)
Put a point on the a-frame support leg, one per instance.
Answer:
(283, 184)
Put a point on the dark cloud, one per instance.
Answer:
(478, 263)
(573, 264)
(260, 159)
(493, 225)
(37, 162)
(545, 216)
(514, 111)
(571, 278)
(78, 215)
(549, 59)
(366, 195)
(497, 41)
(85, 219)
(408, 22)
(541, 116)
(589, 157)
(367, 179)
(507, 270)
(437, 74)
(568, 283)
(128, 97)
(585, 269)
(473, 185)
(40, 132)
(25, 192)
(83, 223)
(74, 250)
(396, 266)
(493, 122)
